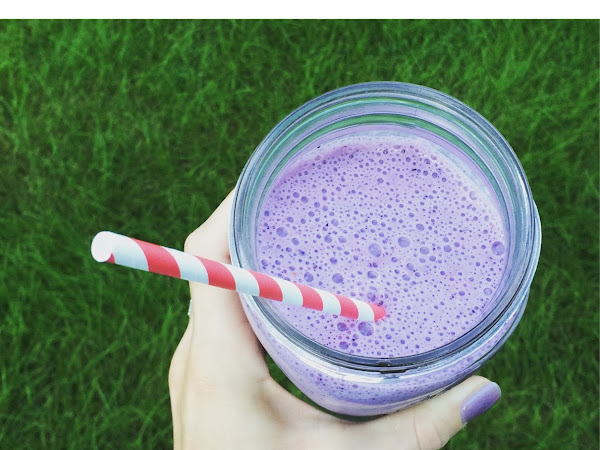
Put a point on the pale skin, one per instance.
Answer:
(222, 396)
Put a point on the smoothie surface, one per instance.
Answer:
(392, 219)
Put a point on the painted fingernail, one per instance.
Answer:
(479, 402)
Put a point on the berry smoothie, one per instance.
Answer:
(399, 195)
(390, 218)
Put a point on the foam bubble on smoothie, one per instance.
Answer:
(389, 219)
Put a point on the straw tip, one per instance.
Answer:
(102, 246)
(378, 312)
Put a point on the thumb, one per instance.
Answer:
(431, 424)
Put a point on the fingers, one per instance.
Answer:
(222, 342)
(211, 239)
(429, 425)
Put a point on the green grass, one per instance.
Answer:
(142, 127)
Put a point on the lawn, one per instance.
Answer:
(142, 127)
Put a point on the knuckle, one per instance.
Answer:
(191, 242)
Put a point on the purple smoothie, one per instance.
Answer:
(393, 219)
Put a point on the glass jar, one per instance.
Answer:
(366, 386)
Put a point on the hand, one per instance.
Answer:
(222, 396)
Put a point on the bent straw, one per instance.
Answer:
(125, 251)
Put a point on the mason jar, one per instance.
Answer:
(355, 385)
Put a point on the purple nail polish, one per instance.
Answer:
(479, 402)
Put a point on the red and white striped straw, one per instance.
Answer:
(129, 252)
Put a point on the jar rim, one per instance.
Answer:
(459, 111)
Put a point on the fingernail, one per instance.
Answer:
(479, 402)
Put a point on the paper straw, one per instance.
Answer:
(129, 252)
